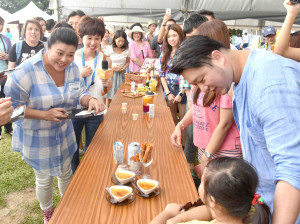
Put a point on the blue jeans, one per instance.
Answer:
(91, 126)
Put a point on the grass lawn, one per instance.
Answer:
(17, 175)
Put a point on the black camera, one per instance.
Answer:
(295, 1)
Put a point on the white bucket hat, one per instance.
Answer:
(136, 29)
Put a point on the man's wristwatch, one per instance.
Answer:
(207, 154)
(181, 94)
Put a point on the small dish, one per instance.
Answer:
(114, 179)
(129, 200)
(148, 183)
(120, 192)
(154, 193)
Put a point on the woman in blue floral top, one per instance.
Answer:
(175, 98)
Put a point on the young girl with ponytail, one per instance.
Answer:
(228, 191)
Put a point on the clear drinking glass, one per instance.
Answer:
(146, 158)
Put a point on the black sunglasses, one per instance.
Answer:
(188, 205)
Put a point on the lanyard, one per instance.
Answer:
(95, 65)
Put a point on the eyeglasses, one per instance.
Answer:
(188, 205)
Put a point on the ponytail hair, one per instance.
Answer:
(259, 214)
(233, 182)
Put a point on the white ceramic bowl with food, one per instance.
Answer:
(124, 176)
(120, 192)
(147, 186)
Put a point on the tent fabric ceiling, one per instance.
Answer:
(271, 10)
(28, 12)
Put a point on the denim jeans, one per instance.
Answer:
(91, 126)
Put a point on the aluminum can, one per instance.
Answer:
(132, 86)
(133, 149)
(118, 152)
(151, 110)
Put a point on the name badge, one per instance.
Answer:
(74, 86)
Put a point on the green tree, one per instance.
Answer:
(13, 6)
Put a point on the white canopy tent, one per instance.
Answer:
(267, 10)
(29, 12)
(5, 15)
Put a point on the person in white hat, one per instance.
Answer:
(151, 29)
(139, 49)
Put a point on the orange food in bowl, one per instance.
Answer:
(124, 175)
(119, 192)
(147, 185)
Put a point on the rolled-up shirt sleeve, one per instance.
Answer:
(18, 87)
(278, 113)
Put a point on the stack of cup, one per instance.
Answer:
(124, 108)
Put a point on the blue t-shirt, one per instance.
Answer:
(266, 107)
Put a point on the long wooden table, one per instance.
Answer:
(84, 201)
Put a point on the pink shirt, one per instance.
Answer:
(206, 119)
(137, 53)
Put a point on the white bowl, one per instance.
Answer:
(147, 180)
(124, 181)
(120, 199)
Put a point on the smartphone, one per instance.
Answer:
(168, 11)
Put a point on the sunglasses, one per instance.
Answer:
(188, 205)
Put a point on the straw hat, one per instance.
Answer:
(152, 22)
(136, 29)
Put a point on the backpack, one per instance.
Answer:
(19, 45)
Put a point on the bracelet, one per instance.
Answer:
(207, 154)
(181, 124)
(168, 93)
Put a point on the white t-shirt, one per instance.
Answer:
(118, 59)
(96, 89)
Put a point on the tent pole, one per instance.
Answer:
(58, 10)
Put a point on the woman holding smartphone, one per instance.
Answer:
(49, 84)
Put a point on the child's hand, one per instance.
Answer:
(173, 209)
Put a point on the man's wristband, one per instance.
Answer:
(168, 93)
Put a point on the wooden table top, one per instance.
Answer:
(84, 201)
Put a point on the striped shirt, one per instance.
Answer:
(44, 145)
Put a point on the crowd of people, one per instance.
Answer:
(236, 111)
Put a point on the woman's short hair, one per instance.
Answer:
(34, 21)
(120, 33)
(1, 20)
(90, 26)
(64, 35)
